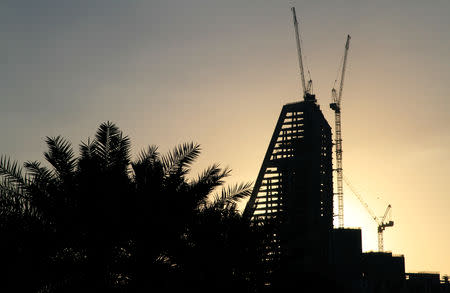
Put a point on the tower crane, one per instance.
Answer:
(336, 106)
(307, 88)
(382, 223)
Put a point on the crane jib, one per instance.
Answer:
(299, 51)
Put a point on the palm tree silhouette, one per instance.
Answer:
(101, 221)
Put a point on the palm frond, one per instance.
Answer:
(11, 171)
(12, 197)
(238, 192)
(41, 183)
(106, 134)
(180, 159)
(111, 146)
(36, 173)
(121, 151)
(207, 181)
(212, 176)
(88, 159)
(10, 191)
(231, 195)
(87, 149)
(60, 155)
(147, 164)
(150, 154)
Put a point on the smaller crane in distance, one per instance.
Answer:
(382, 223)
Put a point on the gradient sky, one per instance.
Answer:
(218, 72)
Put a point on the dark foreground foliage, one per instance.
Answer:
(102, 222)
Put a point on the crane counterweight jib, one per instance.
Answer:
(334, 107)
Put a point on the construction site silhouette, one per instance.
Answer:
(101, 221)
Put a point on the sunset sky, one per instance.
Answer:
(218, 72)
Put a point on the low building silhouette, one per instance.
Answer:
(347, 262)
(383, 272)
(426, 282)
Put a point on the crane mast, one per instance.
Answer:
(307, 88)
(336, 106)
(383, 224)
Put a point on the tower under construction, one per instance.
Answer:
(293, 192)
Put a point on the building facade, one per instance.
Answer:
(294, 192)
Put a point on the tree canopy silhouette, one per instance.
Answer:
(102, 221)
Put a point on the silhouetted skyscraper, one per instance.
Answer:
(294, 191)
